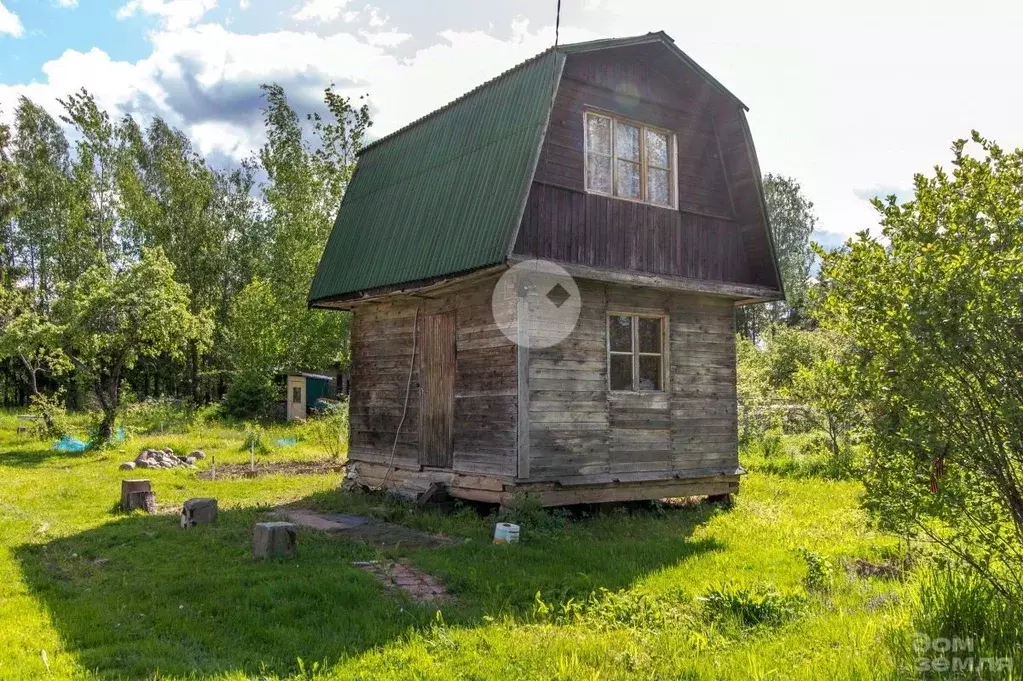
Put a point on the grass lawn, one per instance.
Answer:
(87, 593)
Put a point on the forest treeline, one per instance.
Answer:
(94, 209)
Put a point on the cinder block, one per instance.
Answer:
(276, 539)
(200, 511)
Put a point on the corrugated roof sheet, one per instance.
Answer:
(445, 193)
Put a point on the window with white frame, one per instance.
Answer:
(629, 160)
(635, 352)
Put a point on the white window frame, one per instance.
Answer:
(635, 352)
(643, 165)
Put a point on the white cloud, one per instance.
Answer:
(67, 3)
(243, 4)
(320, 10)
(846, 99)
(10, 23)
(202, 62)
(391, 38)
(176, 14)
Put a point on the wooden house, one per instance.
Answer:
(639, 179)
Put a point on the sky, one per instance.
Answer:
(851, 99)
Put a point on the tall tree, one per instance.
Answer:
(303, 191)
(169, 200)
(42, 155)
(793, 220)
(110, 318)
(933, 309)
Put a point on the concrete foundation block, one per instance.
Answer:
(202, 511)
(274, 540)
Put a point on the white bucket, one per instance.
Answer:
(506, 533)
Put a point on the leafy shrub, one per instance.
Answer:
(329, 429)
(250, 395)
(526, 510)
(55, 422)
(752, 606)
(804, 455)
(257, 440)
(158, 415)
(820, 573)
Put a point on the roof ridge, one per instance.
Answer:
(453, 102)
(651, 36)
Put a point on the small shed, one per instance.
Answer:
(638, 186)
(302, 392)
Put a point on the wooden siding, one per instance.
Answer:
(437, 391)
(717, 233)
(484, 419)
(743, 173)
(597, 231)
(579, 430)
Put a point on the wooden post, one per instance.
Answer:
(134, 494)
(522, 380)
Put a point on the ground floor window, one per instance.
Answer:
(635, 352)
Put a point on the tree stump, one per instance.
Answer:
(198, 512)
(137, 494)
(277, 539)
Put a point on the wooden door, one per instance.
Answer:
(437, 389)
(296, 397)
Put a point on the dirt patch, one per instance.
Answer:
(243, 470)
(882, 570)
(418, 585)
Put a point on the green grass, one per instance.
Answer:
(612, 595)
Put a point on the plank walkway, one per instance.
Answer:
(365, 529)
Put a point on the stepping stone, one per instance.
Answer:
(275, 539)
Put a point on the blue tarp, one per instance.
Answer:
(70, 444)
(286, 442)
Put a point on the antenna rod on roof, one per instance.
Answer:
(554, 92)
(557, 25)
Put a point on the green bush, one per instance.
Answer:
(820, 573)
(329, 429)
(55, 422)
(803, 455)
(752, 606)
(158, 415)
(257, 440)
(251, 395)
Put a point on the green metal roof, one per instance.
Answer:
(445, 194)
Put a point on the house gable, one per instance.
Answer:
(715, 230)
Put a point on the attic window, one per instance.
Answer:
(629, 160)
